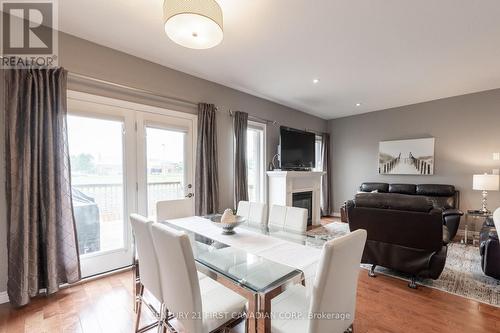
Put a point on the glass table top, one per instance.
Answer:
(249, 270)
(316, 241)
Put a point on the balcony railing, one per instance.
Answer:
(109, 197)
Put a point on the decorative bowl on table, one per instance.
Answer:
(227, 228)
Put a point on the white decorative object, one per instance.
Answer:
(485, 183)
(228, 216)
(283, 184)
(195, 24)
(406, 157)
(229, 223)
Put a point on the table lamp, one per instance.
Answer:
(485, 183)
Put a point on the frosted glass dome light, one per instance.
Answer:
(196, 24)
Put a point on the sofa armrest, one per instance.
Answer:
(492, 237)
(446, 235)
(493, 234)
(450, 212)
(451, 219)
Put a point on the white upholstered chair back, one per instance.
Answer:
(336, 282)
(496, 219)
(254, 212)
(173, 209)
(288, 218)
(148, 261)
(179, 280)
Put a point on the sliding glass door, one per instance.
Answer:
(124, 159)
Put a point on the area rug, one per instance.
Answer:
(462, 274)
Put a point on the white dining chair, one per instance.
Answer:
(254, 212)
(288, 218)
(173, 209)
(149, 273)
(333, 292)
(211, 303)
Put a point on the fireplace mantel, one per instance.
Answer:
(282, 185)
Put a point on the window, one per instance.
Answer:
(256, 166)
(318, 151)
(165, 162)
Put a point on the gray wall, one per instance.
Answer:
(80, 56)
(83, 57)
(467, 132)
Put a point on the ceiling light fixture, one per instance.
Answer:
(315, 81)
(358, 104)
(195, 24)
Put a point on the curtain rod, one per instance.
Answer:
(139, 90)
(252, 117)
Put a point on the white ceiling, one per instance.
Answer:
(381, 53)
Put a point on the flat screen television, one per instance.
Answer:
(297, 149)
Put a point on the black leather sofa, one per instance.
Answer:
(407, 226)
(443, 197)
(489, 249)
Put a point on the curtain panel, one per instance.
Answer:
(240, 125)
(326, 183)
(207, 170)
(41, 239)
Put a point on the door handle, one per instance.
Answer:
(189, 195)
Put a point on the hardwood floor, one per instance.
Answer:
(384, 304)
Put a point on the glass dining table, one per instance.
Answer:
(251, 275)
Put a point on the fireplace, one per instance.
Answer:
(287, 187)
(304, 200)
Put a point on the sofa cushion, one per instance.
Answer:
(403, 188)
(393, 201)
(370, 187)
(436, 190)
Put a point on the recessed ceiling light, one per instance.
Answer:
(358, 104)
(316, 81)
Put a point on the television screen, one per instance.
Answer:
(297, 149)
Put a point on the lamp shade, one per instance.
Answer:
(196, 24)
(485, 182)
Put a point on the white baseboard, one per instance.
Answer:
(4, 298)
(336, 214)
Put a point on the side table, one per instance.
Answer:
(471, 217)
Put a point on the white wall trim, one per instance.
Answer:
(4, 298)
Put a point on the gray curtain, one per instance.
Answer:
(207, 171)
(240, 125)
(326, 184)
(42, 244)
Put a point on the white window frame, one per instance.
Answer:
(263, 157)
(320, 159)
